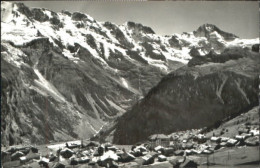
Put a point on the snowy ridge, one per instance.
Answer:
(21, 30)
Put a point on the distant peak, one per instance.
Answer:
(209, 27)
(66, 12)
(139, 27)
(206, 29)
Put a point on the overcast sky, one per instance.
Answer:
(168, 17)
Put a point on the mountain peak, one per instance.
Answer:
(207, 29)
(140, 27)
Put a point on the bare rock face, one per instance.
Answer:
(30, 114)
(23, 9)
(193, 97)
(38, 15)
(140, 28)
(78, 16)
(118, 34)
(194, 52)
(207, 30)
(227, 55)
(174, 42)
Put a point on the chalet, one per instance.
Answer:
(159, 139)
(73, 161)
(92, 144)
(108, 158)
(158, 148)
(189, 164)
(30, 156)
(83, 160)
(162, 158)
(252, 141)
(215, 139)
(174, 137)
(66, 153)
(231, 142)
(206, 151)
(223, 144)
(16, 155)
(254, 132)
(200, 138)
(148, 159)
(243, 130)
(126, 157)
(168, 151)
(224, 139)
(44, 162)
(179, 152)
(188, 146)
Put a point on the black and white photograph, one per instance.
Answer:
(130, 84)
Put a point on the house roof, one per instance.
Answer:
(158, 136)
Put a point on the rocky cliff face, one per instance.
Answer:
(212, 32)
(65, 75)
(195, 96)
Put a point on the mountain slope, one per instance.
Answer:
(194, 97)
(70, 74)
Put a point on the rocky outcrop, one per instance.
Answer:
(118, 34)
(227, 55)
(38, 15)
(194, 52)
(174, 42)
(139, 28)
(78, 16)
(23, 9)
(150, 53)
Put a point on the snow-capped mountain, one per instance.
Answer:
(70, 74)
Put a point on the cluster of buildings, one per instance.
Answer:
(158, 149)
